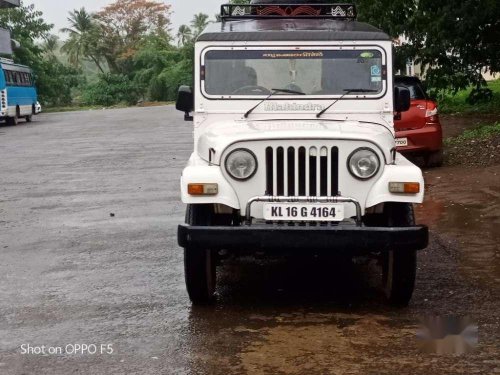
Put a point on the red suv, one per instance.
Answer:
(418, 132)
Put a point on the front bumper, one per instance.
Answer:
(276, 238)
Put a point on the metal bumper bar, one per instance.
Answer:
(274, 238)
(270, 199)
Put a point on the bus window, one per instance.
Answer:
(13, 78)
(8, 77)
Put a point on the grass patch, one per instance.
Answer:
(75, 108)
(458, 103)
(481, 132)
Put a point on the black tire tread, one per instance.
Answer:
(403, 285)
(195, 260)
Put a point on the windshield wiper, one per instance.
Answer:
(347, 92)
(273, 92)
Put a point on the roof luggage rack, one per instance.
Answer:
(341, 11)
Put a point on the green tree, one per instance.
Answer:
(161, 68)
(111, 89)
(199, 22)
(83, 38)
(184, 35)
(454, 40)
(51, 45)
(26, 25)
(54, 80)
(124, 25)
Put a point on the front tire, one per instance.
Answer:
(12, 120)
(200, 264)
(399, 267)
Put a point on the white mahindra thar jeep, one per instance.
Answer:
(293, 108)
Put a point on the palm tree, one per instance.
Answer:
(83, 37)
(51, 45)
(199, 22)
(184, 35)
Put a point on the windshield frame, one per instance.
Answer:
(349, 47)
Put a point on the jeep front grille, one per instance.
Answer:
(302, 171)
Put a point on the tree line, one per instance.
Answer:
(127, 51)
(124, 53)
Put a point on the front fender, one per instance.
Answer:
(198, 171)
(402, 171)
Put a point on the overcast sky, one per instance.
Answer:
(56, 11)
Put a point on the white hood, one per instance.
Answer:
(219, 136)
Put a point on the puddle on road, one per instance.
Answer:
(317, 316)
(463, 204)
(294, 347)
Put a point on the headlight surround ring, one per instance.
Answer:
(233, 158)
(369, 158)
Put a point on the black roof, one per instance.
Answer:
(290, 30)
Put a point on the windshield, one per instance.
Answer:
(229, 73)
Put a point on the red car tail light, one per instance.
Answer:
(431, 115)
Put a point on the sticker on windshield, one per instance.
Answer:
(376, 73)
(367, 55)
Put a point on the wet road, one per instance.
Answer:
(89, 205)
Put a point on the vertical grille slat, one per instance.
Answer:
(292, 172)
(280, 171)
(302, 171)
(313, 171)
(275, 169)
(307, 174)
(323, 166)
(335, 171)
(329, 174)
(269, 171)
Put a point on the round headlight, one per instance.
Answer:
(241, 164)
(363, 163)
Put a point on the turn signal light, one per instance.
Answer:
(404, 187)
(203, 189)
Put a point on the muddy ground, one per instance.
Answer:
(480, 152)
(89, 205)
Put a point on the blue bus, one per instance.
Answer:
(18, 96)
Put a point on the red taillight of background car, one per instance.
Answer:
(432, 113)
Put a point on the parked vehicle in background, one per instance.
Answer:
(18, 96)
(419, 132)
(38, 108)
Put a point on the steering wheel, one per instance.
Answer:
(252, 90)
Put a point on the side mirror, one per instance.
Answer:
(402, 99)
(185, 102)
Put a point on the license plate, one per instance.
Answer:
(401, 142)
(303, 212)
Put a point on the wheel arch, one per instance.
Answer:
(198, 172)
(402, 171)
